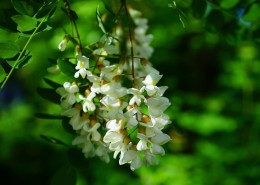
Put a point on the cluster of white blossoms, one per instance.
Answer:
(110, 108)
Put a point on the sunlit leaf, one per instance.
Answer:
(99, 20)
(43, 27)
(23, 7)
(53, 140)
(253, 13)
(66, 175)
(8, 49)
(49, 94)
(198, 8)
(25, 22)
(66, 67)
(228, 4)
(24, 60)
(2, 74)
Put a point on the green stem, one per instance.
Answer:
(23, 50)
(131, 39)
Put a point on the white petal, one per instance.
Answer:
(161, 138)
(157, 149)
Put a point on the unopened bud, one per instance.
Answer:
(146, 119)
(63, 43)
(87, 92)
(143, 61)
(78, 106)
(127, 140)
(121, 123)
(129, 107)
(85, 116)
(117, 78)
(141, 130)
(92, 122)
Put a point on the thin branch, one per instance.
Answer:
(131, 38)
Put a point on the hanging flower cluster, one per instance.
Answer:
(113, 101)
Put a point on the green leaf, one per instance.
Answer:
(76, 158)
(8, 49)
(2, 74)
(23, 7)
(215, 21)
(48, 116)
(53, 140)
(43, 27)
(252, 14)
(100, 22)
(25, 22)
(198, 8)
(66, 175)
(49, 94)
(228, 4)
(66, 67)
(24, 60)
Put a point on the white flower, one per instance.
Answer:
(157, 105)
(82, 66)
(142, 144)
(131, 157)
(109, 72)
(96, 82)
(113, 89)
(137, 96)
(150, 81)
(102, 151)
(108, 47)
(130, 117)
(67, 93)
(94, 134)
(82, 141)
(88, 105)
(113, 108)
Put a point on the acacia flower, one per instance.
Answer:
(82, 66)
(67, 93)
(88, 105)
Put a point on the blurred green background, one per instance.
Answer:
(212, 69)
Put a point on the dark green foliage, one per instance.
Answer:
(49, 94)
(198, 8)
(215, 21)
(66, 175)
(66, 67)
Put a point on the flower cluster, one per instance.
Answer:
(117, 106)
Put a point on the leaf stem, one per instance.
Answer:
(70, 13)
(23, 50)
(131, 39)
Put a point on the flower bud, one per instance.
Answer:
(63, 43)
(146, 119)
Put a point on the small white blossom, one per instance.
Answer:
(137, 96)
(88, 104)
(82, 66)
(67, 93)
